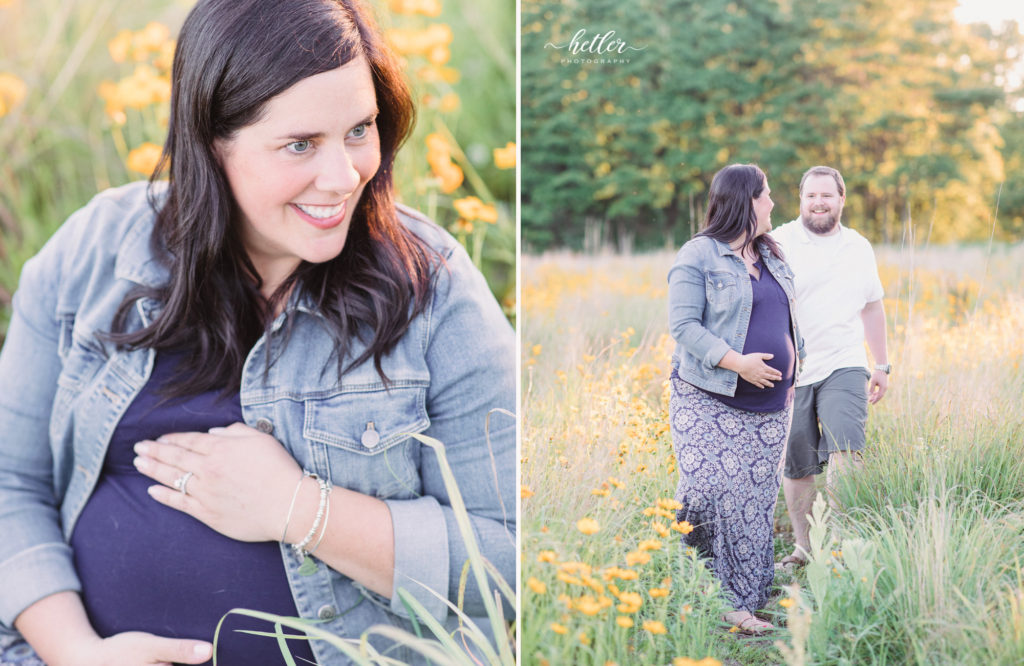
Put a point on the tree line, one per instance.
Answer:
(628, 110)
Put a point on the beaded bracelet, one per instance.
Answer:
(325, 491)
(327, 517)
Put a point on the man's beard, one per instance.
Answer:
(823, 225)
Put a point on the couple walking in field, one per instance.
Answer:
(769, 375)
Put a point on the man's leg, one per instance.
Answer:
(802, 464)
(843, 409)
(799, 498)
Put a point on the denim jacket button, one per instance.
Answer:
(370, 438)
(265, 425)
(327, 612)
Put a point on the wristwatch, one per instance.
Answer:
(884, 367)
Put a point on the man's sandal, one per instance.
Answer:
(791, 563)
(750, 625)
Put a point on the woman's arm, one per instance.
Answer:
(686, 302)
(59, 631)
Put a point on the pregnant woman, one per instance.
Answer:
(209, 384)
(731, 315)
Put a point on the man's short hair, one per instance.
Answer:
(825, 171)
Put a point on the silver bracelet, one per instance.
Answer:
(325, 491)
(291, 507)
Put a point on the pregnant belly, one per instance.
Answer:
(146, 567)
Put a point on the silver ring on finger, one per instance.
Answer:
(181, 483)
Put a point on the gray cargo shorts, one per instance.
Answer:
(828, 416)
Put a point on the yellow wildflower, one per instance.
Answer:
(568, 579)
(431, 74)
(151, 39)
(659, 528)
(546, 556)
(120, 46)
(432, 42)
(505, 158)
(537, 586)
(588, 526)
(615, 482)
(448, 103)
(600, 492)
(12, 92)
(558, 628)
(624, 621)
(426, 7)
(471, 208)
(440, 159)
(525, 492)
(535, 350)
(669, 504)
(658, 592)
(649, 544)
(654, 627)
(144, 158)
(631, 600)
(583, 638)
(685, 527)
(588, 605)
(787, 602)
(637, 557)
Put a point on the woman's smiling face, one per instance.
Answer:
(297, 173)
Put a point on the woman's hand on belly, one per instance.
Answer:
(242, 479)
(58, 630)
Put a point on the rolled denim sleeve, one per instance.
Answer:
(470, 354)
(35, 561)
(686, 302)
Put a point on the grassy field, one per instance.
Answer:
(922, 563)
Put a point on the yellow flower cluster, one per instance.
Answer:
(152, 41)
(588, 526)
(431, 43)
(505, 158)
(430, 8)
(439, 156)
(12, 92)
(472, 208)
(142, 88)
(144, 158)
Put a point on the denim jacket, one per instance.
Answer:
(709, 304)
(62, 393)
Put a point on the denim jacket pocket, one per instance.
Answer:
(721, 288)
(363, 437)
(81, 359)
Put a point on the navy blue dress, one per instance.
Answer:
(147, 567)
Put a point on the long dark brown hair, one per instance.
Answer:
(232, 57)
(731, 207)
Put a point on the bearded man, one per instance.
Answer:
(839, 307)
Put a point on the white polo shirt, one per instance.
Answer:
(835, 276)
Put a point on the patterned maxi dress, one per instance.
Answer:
(729, 478)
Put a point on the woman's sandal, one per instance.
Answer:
(751, 625)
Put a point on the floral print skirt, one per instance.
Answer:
(729, 476)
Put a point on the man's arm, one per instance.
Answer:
(873, 316)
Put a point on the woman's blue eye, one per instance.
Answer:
(299, 146)
(360, 131)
